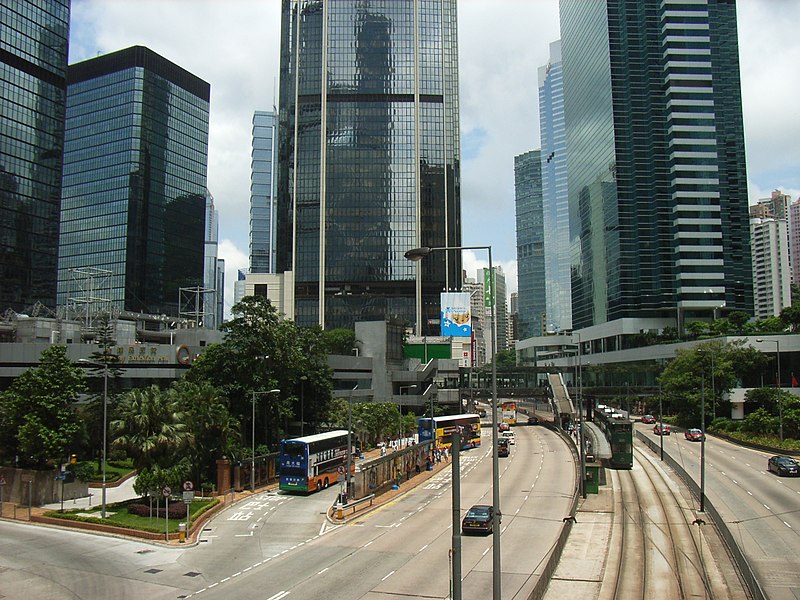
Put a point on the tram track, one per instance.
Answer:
(659, 554)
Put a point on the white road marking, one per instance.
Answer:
(387, 576)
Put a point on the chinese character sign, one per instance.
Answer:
(488, 286)
(456, 315)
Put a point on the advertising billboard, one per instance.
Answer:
(456, 314)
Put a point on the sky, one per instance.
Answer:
(234, 45)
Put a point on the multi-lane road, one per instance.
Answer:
(281, 546)
(761, 509)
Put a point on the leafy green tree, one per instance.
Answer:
(262, 352)
(738, 320)
(208, 420)
(151, 428)
(708, 370)
(760, 421)
(506, 359)
(696, 328)
(769, 325)
(38, 423)
(339, 341)
(791, 317)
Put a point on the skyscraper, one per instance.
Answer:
(213, 269)
(656, 167)
(771, 272)
(531, 280)
(262, 193)
(33, 65)
(368, 158)
(555, 199)
(134, 195)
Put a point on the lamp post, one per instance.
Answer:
(349, 441)
(777, 382)
(253, 439)
(303, 380)
(103, 364)
(581, 453)
(702, 442)
(417, 254)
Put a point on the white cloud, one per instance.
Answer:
(234, 45)
(234, 259)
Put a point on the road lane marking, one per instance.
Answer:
(423, 548)
(326, 568)
(387, 576)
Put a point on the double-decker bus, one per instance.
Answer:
(311, 463)
(509, 413)
(445, 426)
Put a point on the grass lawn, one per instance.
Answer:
(118, 515)
(115, 470)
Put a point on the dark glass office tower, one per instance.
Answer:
(33, 64)
(134, 191)
(368, 158)
(656, 162)
(532, 283)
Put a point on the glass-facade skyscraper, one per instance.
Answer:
(262, 192)
(531, 280)
(134, 193)
(33, 89)
(656, 166)
(368, 163)
(555, 199)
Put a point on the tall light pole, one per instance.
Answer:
(253, 439)
(103, 364)
(777, 382)
(702, 443)
(303, 380)
(349, 441)
(581, 453)
(417, 254)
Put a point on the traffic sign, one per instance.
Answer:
(188, 486)
(167, 491)
(188, 497)
(341, 470)
(2, 480)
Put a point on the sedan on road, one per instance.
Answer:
(478, 519)
(662, 429)
(783, 465)
(693, 435)
(648, 419)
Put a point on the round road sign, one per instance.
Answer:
(188, 486)
(341, 470)
(167, 491)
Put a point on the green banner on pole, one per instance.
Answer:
(488, 287)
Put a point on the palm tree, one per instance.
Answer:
(151, 428)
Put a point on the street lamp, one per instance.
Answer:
(103, 364)
(702, 442)
(581, 453)
(303, 380)
(777, 382)
(253, 439)
(349, 441)
(417, 254)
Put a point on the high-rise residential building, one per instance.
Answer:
(134, 193)
(771, 273)
(794, 240)
(531, 276)
(33, 65)
(479, 322)
(262, 192)
(774, 207)
(368, 159)
(555, 199)
(513, 318)
(659, 220)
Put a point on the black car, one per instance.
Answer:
(478, 519)
(502, 447)
(783, 465)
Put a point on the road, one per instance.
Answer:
(276, 545)
(760, 508)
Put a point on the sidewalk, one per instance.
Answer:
(119, 493)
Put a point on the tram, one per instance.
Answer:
(618, 430)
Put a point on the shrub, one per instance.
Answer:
(177, 510)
